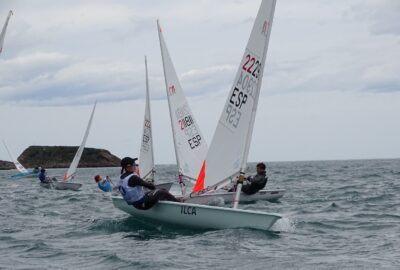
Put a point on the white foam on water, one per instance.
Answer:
(285, 224)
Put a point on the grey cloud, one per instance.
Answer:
(49, 77)
(382, 16)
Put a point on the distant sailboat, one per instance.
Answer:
(146, 157)
(22, 171)
(3, 32)
(71, 172)
(189, 143)
(213, 217)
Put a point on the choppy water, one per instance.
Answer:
(337, 215)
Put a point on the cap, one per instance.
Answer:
(97, 178)
(128, 161)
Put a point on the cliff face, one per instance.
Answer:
(6, 165)
(61, 157)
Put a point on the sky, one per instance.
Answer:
(331, 86)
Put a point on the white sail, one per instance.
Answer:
(16, 163)
(227, 156)
(190, 145)
(146, 157)
(74, 164)
(3, 32)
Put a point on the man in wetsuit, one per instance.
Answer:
(131, 187)
(43, 177)
(256, 182)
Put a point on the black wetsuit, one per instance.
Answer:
(255, 184)
(43, 178)
(151, 197)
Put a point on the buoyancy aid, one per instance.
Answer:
(130, 194)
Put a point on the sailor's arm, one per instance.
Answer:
(137, 181)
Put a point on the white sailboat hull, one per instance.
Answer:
(61, 185)
(67, 186)
(228, 197)
(200, 216)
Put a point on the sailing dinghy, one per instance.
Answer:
(3, 32)
(214, 217)
(226, 159)
(23, 173)
(146, 157)
(70, 174)
(190, 145)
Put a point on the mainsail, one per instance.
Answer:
(190, 145)
(146, 157)
(74, 164)
(228, 152)
(16, 163)
(3, 32)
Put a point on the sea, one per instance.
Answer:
(336, 215)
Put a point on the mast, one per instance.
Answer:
(3, 32)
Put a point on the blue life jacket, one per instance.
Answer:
(105, 186)
(132, 195)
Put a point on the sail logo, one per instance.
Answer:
(188, 210)
(265, 28)
(171, 90)
(147, 123)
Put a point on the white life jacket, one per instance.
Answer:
(130, 194)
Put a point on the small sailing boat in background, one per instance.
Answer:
(23, 173)
(3, 32)
(189, 144)
(146, 157)
(71, 172)
(213, 217)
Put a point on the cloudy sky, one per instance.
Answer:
(331, 88)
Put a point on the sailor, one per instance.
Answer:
(257, 182)
(253, 183)
(105, 185)
(131, 187)
(42, 176)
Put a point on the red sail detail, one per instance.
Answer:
(200, 179)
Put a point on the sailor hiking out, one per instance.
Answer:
(131, 187)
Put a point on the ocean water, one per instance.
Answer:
(337, 215)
